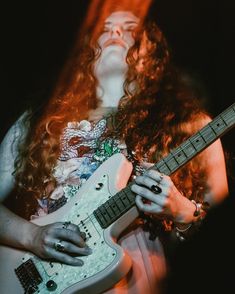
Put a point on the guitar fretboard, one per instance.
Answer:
(124, 200)
(198, 142)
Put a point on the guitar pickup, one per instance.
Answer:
(28, 276)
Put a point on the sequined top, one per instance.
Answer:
(83, 149)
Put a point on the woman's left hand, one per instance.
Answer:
(157, 194)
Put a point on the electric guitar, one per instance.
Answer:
(103, 208)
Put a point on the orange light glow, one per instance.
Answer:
(100, 9)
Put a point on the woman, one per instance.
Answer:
(120, 95)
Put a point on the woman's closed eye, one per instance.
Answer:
(130, 29)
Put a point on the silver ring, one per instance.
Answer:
(65, 225)
(161, 178)
(59, 246)
(156, 189)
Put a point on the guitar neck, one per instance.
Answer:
(124, 200)
(198, 142)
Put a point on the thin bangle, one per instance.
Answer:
(183, 230)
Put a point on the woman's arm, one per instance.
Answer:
(213, 162)
(20, 233)
(13, 229)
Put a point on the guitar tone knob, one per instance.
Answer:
(51, 285)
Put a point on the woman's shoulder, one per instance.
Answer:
(9, 149)
(195, 122)
(16, 133)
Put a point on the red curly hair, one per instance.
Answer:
(151, 120)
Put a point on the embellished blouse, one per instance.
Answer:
(83, 149)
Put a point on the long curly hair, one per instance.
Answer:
(152, 120)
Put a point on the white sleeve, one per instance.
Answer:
(8, 154)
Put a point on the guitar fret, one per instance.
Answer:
(201, 136)
(195, 149)
(130, 195)
(179, 156)
(162, 167)
(100, 217)
(104, 213)
(114, 206)
(166, 164)
(188, 148)
(172, 162)
(119, 203)
(226, 124)
(208, 133)
(197, 142)
(109, 210)
(218, 125)
(103, 216)
(184, 153)
(124, 198)
(228, 116)
(229, 121)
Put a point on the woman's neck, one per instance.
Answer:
(100, 112)
(110, 90)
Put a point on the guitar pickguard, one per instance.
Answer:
(102, 254)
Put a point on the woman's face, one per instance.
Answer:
(115, 40)
(118, 30)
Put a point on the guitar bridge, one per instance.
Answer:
(28, 276)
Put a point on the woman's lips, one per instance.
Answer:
(118, 42)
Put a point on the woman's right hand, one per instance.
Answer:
(62, 242)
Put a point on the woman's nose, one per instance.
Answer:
(117, 31)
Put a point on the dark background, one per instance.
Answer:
(36, 37)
